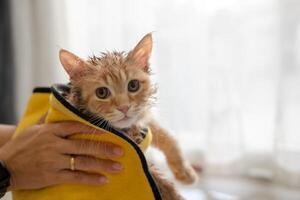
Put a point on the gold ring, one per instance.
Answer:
(72, 163)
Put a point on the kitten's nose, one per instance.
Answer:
(123, 109)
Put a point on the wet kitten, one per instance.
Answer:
(117, 87)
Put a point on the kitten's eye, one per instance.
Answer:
(102, 92)
(133, 85)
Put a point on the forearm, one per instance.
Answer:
(6, 132)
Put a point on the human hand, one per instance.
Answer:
(40, 156)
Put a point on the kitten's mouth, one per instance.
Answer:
(124, 118)
(124, 122)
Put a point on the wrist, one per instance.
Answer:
(4, 178)
(4, 165)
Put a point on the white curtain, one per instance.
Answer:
(227, 70)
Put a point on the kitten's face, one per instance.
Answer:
(120, 92)
(115, 86)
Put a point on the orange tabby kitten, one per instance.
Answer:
(117, 87)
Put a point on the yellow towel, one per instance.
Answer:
(133, 183)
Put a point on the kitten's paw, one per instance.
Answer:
(197, 167)
(187, 175)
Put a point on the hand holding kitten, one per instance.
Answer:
(40, 156)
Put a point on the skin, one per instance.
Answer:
(6, 131)
(40, 156)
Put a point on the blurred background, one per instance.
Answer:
(228, 73)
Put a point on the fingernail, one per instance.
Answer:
(118, 151)
(117, 166)
(103, 179)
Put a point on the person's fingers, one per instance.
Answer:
(92, 148)
(90, 164)
(67, 176)
(65, 129)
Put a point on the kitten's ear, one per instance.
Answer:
(73, 65)
(142, 51)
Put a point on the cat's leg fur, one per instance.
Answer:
(181, 169)
(166, 188)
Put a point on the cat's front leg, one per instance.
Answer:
(181, 169)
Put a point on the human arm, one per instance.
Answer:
(6, 132)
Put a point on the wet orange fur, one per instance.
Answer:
(114, 71)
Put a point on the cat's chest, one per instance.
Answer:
(137, 134)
